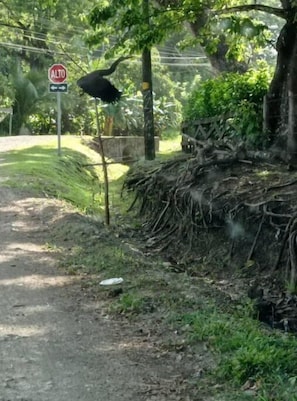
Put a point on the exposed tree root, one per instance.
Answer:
(187, 204)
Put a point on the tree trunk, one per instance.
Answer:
(218, 57)
(292, 103)
(148, 107)
(147, 93)
(276, 117)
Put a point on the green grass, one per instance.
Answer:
(247, 352)
(170, 146)
(70, 177)
(128, 304)
(41, 170)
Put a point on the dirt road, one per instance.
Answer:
(56, 345)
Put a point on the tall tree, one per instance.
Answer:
(207, 19)
(281, 105)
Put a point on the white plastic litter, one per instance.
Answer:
(112, 281)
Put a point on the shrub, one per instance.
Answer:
(237, 95)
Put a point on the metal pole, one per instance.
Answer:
(10, 123)
(59, 115)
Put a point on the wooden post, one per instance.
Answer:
(104, 168)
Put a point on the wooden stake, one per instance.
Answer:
(104, 168)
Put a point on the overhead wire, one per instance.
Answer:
(37, 36)
(33, 49)
(169, 54)
(173, 55)
(55, 52)
(166, 56)
(68, 34)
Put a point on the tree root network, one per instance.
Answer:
(242, 210)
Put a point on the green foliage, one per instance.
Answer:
(56, 35)
(239, 96)
(128, 304)
(171, 135)
(247, 351)
(29, 89)
(128, 115)
(137, 27)
(244, 35)
(53, 31)
(26, 91)
(36, 34)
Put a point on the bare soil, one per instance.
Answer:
(56, 344)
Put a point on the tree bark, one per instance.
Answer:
(147, 93)
(292, 103)
(277, 99)
(217, 57)
(148, 107)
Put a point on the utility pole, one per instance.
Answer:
(147, 92)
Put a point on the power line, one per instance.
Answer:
(177, 58)
(45, 38)
(68, 34)
(32, 49)
(170, 55)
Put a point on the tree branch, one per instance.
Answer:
(282, 13)
(19, 23)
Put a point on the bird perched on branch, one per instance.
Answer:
(95, 85)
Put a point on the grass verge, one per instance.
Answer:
(71, 177)
(257, 360)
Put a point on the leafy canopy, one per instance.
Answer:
(129, 27)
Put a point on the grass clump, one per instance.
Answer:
(103, 256)
(128, 304)
(248, 352)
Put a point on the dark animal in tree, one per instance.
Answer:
(95, 85)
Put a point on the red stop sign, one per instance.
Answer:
(57, 73)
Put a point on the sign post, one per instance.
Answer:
(57, 75)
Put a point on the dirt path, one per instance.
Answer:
(55, 345)
(22, 141)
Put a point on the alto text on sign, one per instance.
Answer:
(57, 73)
